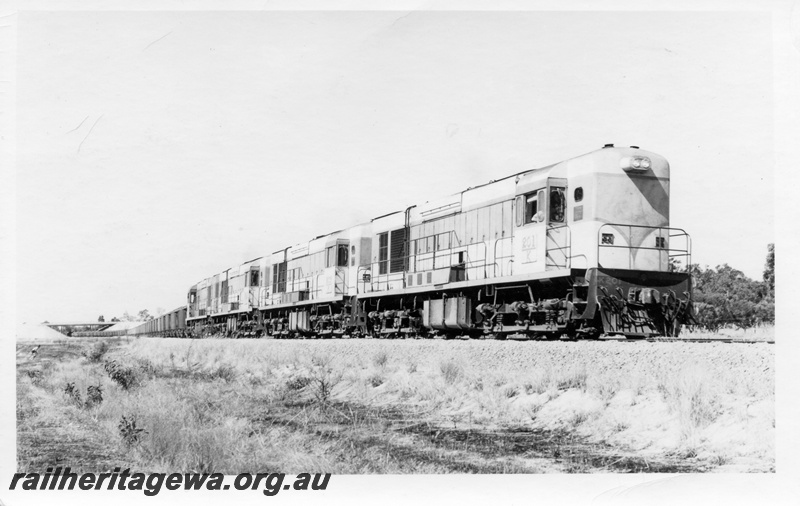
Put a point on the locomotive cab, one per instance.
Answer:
(541, 234)
(602, 221)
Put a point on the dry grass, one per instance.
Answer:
(262, 405)
(763, 332)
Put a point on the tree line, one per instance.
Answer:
(142, 316)
(724, 296)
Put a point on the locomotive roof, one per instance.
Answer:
(516, 174)
(526, 171)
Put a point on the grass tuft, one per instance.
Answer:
(381, 359)
(451, 370)
(574, 377)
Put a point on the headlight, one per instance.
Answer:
(635, 163)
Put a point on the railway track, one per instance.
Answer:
(689, 340)
(601, 339)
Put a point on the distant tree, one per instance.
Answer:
(101, 319)
(769, 268)
(160, 311)
(144, 315)
(115, 319)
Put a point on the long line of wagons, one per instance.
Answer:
(576, 249)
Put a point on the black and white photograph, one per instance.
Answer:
(395, 251)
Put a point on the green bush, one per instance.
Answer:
(96, 352)
(123, 376)
(725, 296)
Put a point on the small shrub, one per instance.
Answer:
(36, 376)
(147, 367)
(321, 361)
(381, 359)
(131, 434)
(719, 460)
(538, 383)
(94, 396)
(26, 411)
(691, 394)
(324, 380)
(606, 389)
(511, 391)
(123, 376)
(223, 372)
(375, 380)
(450, 370)
(73, 394)
(96, 352)
(298, 383)
(579, 418)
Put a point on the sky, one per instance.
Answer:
(155, 149)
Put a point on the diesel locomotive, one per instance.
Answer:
(577, 249)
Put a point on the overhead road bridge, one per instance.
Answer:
(68, 329)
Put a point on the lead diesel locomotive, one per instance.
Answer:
(576, 249)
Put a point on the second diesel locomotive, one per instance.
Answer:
(579, 248)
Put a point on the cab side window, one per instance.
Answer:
(558, 205)
(534, 207)
(342, 256)
(531, 207)
(330, 256)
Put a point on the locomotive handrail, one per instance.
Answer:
(298, 279)
(455, 246)
(688, 253)
(316, 290)
(566, 249)
(670, 251)
(362, 269)
(496, 258)
(263, 292)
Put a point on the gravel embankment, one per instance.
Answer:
(755, 362)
